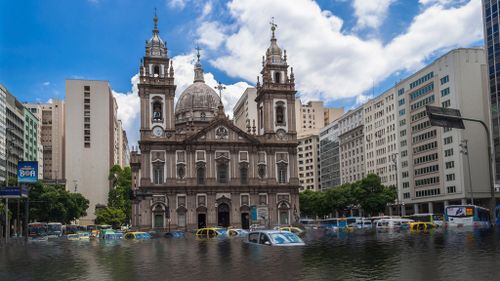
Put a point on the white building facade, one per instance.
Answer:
(351, 141)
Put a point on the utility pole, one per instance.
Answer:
(465, 151)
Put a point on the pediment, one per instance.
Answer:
(222, 130)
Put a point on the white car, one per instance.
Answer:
(274, 238)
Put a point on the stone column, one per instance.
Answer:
(431, 207)
(464, 201)
(403, 210)
(446, 203)
(415, 209)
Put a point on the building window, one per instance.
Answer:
(261, 170)
(158, 173)
(445, 92)
(262, 199)
(450, 177)
(200, 173)
(445, 79)
(222, 172)
(244, 173)
(446, 104)
(282, 172)
(202, 200)
(280, 113)
(451, 189)
(181, 171)
(157, 111)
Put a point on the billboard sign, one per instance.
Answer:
(13, 192)
(27, 171)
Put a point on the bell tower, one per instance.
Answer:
(156, 88)
(276, 94)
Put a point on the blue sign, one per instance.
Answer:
(253, 213)
(27, 171)
(13, 192)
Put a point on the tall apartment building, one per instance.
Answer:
(90, 141)
(14, 135)
(313, 116)
(351, 141)
(245, 110)
(30, 136)
(52, 116)
(123, 151)
(37, 112)
(3, 125)
(491, 38)
(329, 156)
(308, 162)
(433, 172)
(381, 142)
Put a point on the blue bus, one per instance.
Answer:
(334, 223)
(467, 216)
(497, 215)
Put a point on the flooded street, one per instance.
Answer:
(341, 256)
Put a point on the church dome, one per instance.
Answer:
(197, 97)
(198, 102)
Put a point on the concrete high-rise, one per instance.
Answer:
(14, 134)
(351, 142)
(245, 110)
(90, 141)
(52, 118)
(3, 125)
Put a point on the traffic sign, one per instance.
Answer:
(13, 192)
(445, 117)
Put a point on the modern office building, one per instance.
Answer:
(3, 126)
(433, 172)
(351, 142)
(245, 110)
(309, 162)
(381, 142)
(14, 136)
(52, 116)
(90, 141)
(329, 156)
(491, 39)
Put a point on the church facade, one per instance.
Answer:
(197, 169)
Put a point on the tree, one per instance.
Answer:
(120, 193)
(111, 216)
(371, 195)
(340, 198)
(313, 204)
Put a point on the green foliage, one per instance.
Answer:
(119, 195)
(111, 216)
(52, 203)
(368, 194)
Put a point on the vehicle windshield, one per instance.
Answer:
(285, 238)
(460, 211)
(142, 236)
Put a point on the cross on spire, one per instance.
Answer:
(155, 20)
(198, 52)
(273, 26)
(220, 87)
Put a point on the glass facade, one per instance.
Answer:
(492, 45)
(329, 156)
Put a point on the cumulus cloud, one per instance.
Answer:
(211, 34)
(330, 64)
(46, 83)
(371, 13)
(177, 4)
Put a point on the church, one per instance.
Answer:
(195, 168)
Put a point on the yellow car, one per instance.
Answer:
(137, 235)
(211, 232)
(94, 233)
(422, 226)
(73, 237)
(295, 230)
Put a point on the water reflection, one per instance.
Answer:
(437, 255)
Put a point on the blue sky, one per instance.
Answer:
(338, 49)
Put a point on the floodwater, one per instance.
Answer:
(450, 255)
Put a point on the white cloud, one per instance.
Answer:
(371, 13)
(330, 64)
(176, 4)
(46, 83)
(211, 34)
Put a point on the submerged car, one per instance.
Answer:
(211, 232)
(73, 237)
(422, 226)
(274, 238)
(84, 235)
(237, 232)
(175, 234)
(137, 235)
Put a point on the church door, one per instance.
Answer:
(202, 220)
(158, 220)
(284, 220)
(223, 215)
(245, 220)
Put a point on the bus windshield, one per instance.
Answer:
(460, 211)
(37, 229)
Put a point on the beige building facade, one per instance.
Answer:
(90, 141)
(309, 162)
(351, 143)
(245, 110)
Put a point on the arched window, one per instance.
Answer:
(156, 71)
(157, 111)
(277, 77)
(282, 172)
(280, 113)
(261, 170)
(158, 172)
(200, 173)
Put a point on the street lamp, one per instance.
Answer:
(465, 151)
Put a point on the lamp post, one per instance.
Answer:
(465, 151)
